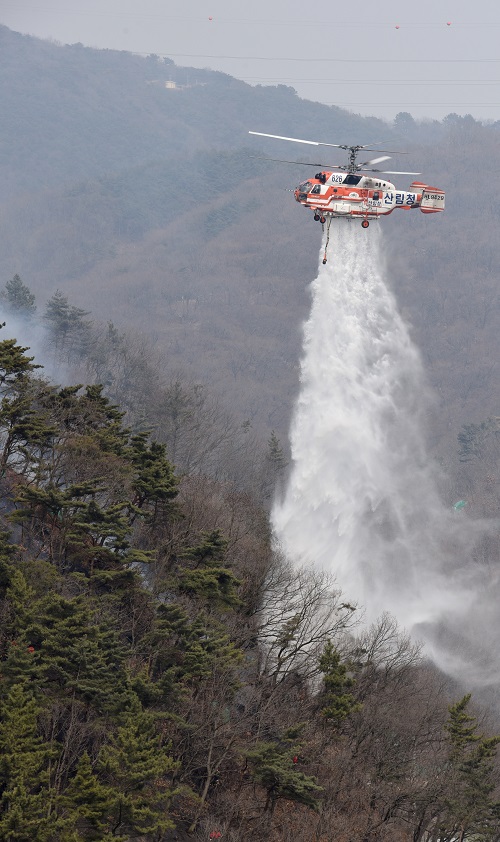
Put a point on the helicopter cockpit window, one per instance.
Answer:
(305, 187)
(352, 179)
(316, 188)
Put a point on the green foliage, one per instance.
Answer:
(338, 703)
(83, 521)
(274, 766)
(210, 552)
(461, 728)
(78, 656)
(208, 579)
(86, 805)
(85, 535)
(215, 585)
(25, 805)
(27, 431)
(14, 364)
(25, 427)
(67, 324)
(121, 684)
(21, 597)
(154, 483)
(190, 651)
(60, 647)
(472, 812)
(138, 770)
(19, 603)
(7, 552)
(18, 297)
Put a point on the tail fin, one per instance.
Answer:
(432, 200)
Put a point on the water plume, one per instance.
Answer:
(362, 497)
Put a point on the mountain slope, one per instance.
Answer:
(143, 205)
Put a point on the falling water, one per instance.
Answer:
(362, 498)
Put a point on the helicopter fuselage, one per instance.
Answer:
(348, 194)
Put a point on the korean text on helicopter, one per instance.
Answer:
(344, 191)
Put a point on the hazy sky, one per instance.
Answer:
(430, 57)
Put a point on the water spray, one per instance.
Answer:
(362, 498)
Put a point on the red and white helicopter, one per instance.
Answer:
(343, 191)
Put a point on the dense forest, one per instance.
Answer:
(166, 675)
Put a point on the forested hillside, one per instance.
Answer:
(165, 676)
(143, 206)
(72, 113)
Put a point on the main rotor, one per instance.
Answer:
(352, 166)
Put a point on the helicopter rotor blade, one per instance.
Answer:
(374, 161)
(396, 172)
(342, 167)
(300, 163)
(387, 172)
(387, 151)
(298, 140)
(355, 147)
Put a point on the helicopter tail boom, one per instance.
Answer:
(432, 200)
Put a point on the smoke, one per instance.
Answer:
(31, 334)
(362, 498)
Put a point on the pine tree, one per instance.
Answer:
(338, 702)
(19, 298)
(19, 664)
(26, 800)
(26, 430)
(185, 652)
(274, 766)
(14, 364)
(275, 456)
(89, 524)
(471, 810)
(20, 424)
(67, 324)
(86, 805)
(78, 656)
(207, 577)
(138, 769)
(7, 553)
(275, 463)
(154, 483)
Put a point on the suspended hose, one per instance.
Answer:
(328, 223)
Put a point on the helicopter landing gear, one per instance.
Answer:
(328, 223)
(316, 217)
(365, 223)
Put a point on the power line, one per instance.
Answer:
(283, 21)
(371, 81)
(362, 60)
(407, 105)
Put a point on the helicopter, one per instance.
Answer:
(344, 191)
